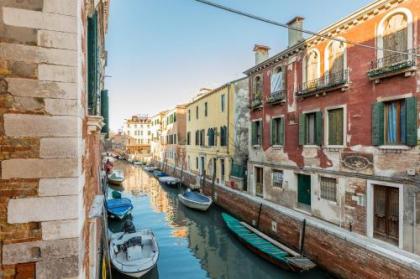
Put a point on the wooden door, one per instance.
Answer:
(386, 213)
(259, 182)
(304, 189)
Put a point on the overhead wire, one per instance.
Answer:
(269, 21)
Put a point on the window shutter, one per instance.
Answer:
(272, 131)
(319, 128)
(411, 121)
(378, 124)
(260, 132)
(302, 129)
(281, 132)
(253, 133)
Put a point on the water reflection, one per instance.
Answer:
(192, 244)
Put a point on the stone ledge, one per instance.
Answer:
(94, 124)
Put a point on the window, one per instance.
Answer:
(277, 178)
(196, 163)
(277, 131)
(259, 181)
(222, 102)
(335, 127)
(196, 112)
(395, 122)
(311, 68)
(222, 169)
(328, 187)
(92, 64)
(205, 109)
(189, 115)
(202, 137)
(197, 137)
(188, 138)
(258, 87)
(256, 132)
(223, 136)
(277, 81)
(395, 31)
(175, 139)
(386, 213)
(310, 128)
(211, 138)
(335, 55)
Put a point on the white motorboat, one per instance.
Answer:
(150, 168)
(169, 180)
(195, 200)
(134, 253)
(116, 177)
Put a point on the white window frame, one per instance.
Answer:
(337, 189)
(327, 54)
(272, 178)
(307, 112)
(326, 126)
(281, 116)
(262, 138)
(305, 58)
(370, 208)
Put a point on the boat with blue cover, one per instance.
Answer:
(119, 207)
(159, 173)
(266, 247)
(195, 200)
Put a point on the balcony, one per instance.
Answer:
(329, 82)
(394, 64)
(277, 97)
(256, 102)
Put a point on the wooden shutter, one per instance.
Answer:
(378, 124)
(253, 133)
(260, 132)
(281, 132)
(272, 132)
(319, 128)
(411, 121)
(302, 129)
(91, 62)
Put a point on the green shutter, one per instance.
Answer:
(260, 132)
(378, 123)
(302, 129)
(411, 118)
(281, 132)
(105, 112)
(319, 128)
(253, 133)
(272, 132)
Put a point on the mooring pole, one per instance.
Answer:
(302, 237)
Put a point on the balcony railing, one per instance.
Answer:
(393, 63)
(328, 82)
(256, 101)
(276, 97)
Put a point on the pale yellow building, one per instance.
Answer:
(217, 133)
(156, 132)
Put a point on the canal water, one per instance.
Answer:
(192, 244)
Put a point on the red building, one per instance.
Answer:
(335, 125)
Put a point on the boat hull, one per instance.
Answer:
(193, 204)
(120, 216)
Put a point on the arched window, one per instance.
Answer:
(395, 33)
(335, 57)
(312, 69)
(277, 80)
(258, 87)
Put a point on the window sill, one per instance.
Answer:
(394, 147)
(311, 146)
(277, 146)
(334, 148)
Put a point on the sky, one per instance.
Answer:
(161, 52)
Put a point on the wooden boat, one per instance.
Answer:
(266, 247)
(159, 173)
(134, 253)
(169, 180)
(150, 168)
(116, 177)
(119, 207)
(195, 200)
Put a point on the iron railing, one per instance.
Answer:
(277, 96)
(329, 80)
(392, 63)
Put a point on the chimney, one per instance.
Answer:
(295, 36)
(261, 53)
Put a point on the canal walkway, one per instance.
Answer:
(192, 244)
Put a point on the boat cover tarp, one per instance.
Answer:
(118, 205)
(253, 239)
(197, 197)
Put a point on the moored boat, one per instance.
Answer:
(266, 247)
(169, 180)
(116, 177)
(134, 253)
(195, 200)
(119, 207)
(150, 168)
(159, 173)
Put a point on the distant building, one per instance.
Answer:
(137, 129)
(156, 140)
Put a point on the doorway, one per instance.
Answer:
(304, 191)
(386, 213)
(259, 181)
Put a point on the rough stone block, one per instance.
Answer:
(56, 73)
(59, 147)
(61, 107)
(36, 54)
(64, 7)
(24, 125)
(60, 229)
(55, 39)
(43, 89)
(42, 209)
(39, 20)
(58, 268)
(58, 186)
(39, 168)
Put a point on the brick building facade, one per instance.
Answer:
(52, 60)
(335, 125)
